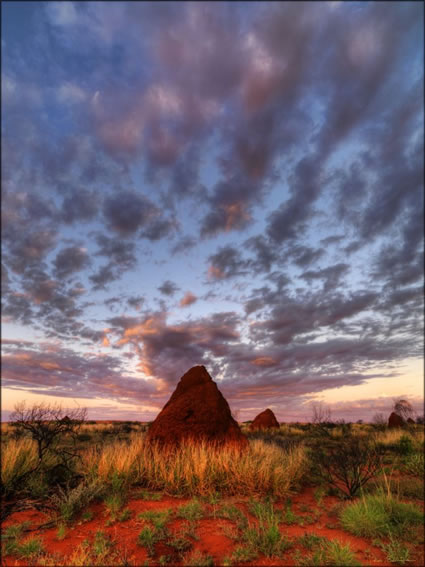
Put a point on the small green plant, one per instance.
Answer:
(101, 544)
(266, 538)
(151, 496)
(376, 514)
(87, 516)
(147, 538)
(114, 503)
(61, 534)
(10, 536)
(70, 502)
(180, 543)
(310, 541)
(289, 517)
(242, 554)
(404, 445)
(338, 554)
(232, 512)
(125, 515)
(330, 553)
(264, 511)
(158, 518)
(396, 551)
(191, 511)
(199, 559)
(414, 464)
(319, 493)
(30, 547)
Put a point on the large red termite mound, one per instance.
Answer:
(198, 411)
(264, 420)
(395, 420)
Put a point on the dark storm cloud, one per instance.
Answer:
(168, 288)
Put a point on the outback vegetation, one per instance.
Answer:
(322, 493)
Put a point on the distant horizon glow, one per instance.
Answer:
(234, 185)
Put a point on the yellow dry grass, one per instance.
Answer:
(18, 457)
(197, 468)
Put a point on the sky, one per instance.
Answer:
(238, 185)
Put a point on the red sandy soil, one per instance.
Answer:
(211, 540)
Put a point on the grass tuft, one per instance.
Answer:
(380, 514)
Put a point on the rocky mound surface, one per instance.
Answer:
(395, 420)
(264, 420)
(197, 410)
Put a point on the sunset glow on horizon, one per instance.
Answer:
(238, 185)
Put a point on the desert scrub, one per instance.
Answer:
(118, 459)
(18, 458)
(191, 511)
(382, 514)
(198, 559)
(265, 538)
(199, 469)
(414, 464)
(327, 553)
(69, 502)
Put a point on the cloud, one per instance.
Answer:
(168, 288)
(127, 211)
(188, 299)
(63, 372)
(70, 260)
(226, 263)
(62, 13)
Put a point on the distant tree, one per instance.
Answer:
(420, 420)
(48, 424)
(322, 419)
(379, 421)
(403, 408)
(359, 421)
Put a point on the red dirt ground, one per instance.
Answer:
(211, 540)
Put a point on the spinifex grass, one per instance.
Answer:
(379, 515)
(199, 469)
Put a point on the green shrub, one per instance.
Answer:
(330, 553)
(265, 538)
(158, 518)
(414, 464)
(380, 514)
(405, 445)
(396, 551)
(32, 546)
(191, 511)
(70, 502)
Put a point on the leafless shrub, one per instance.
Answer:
(48, 425)
(348, 464)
